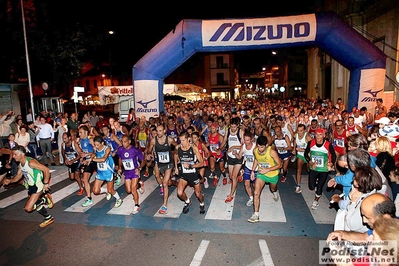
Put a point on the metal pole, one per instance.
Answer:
(76, 109)
(27, 62)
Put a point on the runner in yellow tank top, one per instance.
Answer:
(268, 164)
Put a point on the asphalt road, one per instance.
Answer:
(289, 233)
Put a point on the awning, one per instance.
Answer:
(181, 88)
(111, 94)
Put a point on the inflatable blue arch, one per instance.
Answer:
(326, 30)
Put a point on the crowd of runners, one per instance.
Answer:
(200, 144)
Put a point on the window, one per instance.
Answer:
(219, 62)
(220, 78)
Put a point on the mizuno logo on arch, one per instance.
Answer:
(227, 31)
(259, 31)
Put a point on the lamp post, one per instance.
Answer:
(111, 32)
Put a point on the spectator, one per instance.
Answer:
(94, 118)
(33, 131)
(29, 116)
(45, 138)
(385, 160)
(60, 128)
(5, 126)
(22, 138)
(73, 122)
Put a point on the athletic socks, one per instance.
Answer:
(116, 195)
(42, 211)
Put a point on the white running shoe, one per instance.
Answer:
(276, 196)
(118, 203)
(298, 189)
(109, 196)
(254, 218)
(315, 204)
(206, 184)
(136, 209)
(250, 202)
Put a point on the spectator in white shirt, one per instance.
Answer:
(45, 138)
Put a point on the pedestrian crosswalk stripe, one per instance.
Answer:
(128, 203)
(264, 249)
(218, 209)
(77, 207)
(323, 214)
(175, 205)
(24, 194)
(199, 254)
(269, 210)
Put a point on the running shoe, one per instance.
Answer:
(87, 203)
(109, 196)
(49, 200)
(293, 158)
(161, 191)
(229, 199)
(206, 184)
(225, 181)
(186, 207)
(254, 218)
(136, 209)
(240, 178)
(215, 181)
(250, 202)
(276, 196)
(315, 204)
(47, 222)
(298, 189)
(202, 209)
(118, 203)
(141, 188)
(145, 174)
(163, 210)
(117, 180)
(81, 191)
(283, 179)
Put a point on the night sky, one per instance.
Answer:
(139, 26)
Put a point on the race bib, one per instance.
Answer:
(142, 143)
(128, 164)
(318, 160)
(163, 157)
(214, 147)
(340, 142)
(70, 157)
(249, 158)
(102, 166)
(264, 165)
(188, 170)
(282, 151)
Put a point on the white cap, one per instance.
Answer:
(383, 120)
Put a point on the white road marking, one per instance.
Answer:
(323, 214)
(175, 205)
(199, 254)
(264, 249)
(218, 209)
(128, 203)
(24, 194)
(77, 207)
(269, 210)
